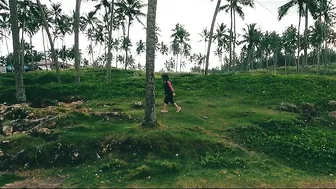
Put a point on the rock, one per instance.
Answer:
(31, 116)
(45, 131)
(288, 107)
(115, 113)
(333, 115)
(7, 130)
(205, 117)
(308, 108)
(1, 153)
(2, 108)
(332, 103)
(17, 132)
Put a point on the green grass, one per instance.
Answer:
(229, 133)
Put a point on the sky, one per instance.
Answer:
(193, 14)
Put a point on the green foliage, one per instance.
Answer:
(303, 147)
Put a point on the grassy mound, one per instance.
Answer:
(240, 130)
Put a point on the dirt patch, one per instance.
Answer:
(34, 183)
(35, 179)
(317, 184)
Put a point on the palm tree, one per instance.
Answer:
(234, 6)
(116, 46)
(304, 7)
(126, 46)
(251, 38)
(76, 30)
(211, 34)
(150, 117)
(53, 52)
(275, 46)
(20, 90)
(219, 52)
(222, 37)
(180, 37)
(316, 40)
(289, 40)
(164, 50)
(5, 25)
(64, 27)
(110, 41)
(185, 52)
(205, 38)
(326, 14)
(132, 10)
(141, 48)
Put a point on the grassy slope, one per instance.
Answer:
(229, 133)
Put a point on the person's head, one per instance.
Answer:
(165, 77)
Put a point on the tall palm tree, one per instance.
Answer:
(326, 13)
(316, 40)
(150, 116)
(164, 50)
(235, 6)
(180, 37)
(304, 7)
(222, 37)
(219, 53)
(275, 46)
(5, 25)
(110, 42)
(53, 52)
(251, 38)
(126, 46)
(205, 38)
(20, 90)
(132, 10)
(289, 40)
(211, 34)
(140, 48)
(64, 27)
(76, 30)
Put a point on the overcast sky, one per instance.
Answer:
(194, 15)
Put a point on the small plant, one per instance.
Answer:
(115, 164)
(221, 160)
(141, 172)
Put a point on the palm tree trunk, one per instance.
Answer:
(150, 116)
(231, 17)
(318, 59)
(44, 50)
(210, 36)
(76, 31)
(325, 48)
(299, 41)
(267, 59)
(53, 53)
(22, 46)
(109, 49)
(128, 33)
(285, 65)
(31, 51)
(306, 38)
(19, 84)
(234, 38)
(176, 62)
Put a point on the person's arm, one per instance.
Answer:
(171, 87)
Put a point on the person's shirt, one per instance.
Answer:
(168, 87)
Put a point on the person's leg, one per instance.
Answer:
(178, 108)
(165, 104)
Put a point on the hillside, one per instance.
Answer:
(238, 130)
